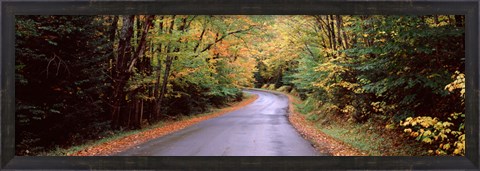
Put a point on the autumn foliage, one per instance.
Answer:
(87, 77)
(400, 74)
(81, 78)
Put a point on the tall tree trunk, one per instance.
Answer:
(169, 60)
(168, 63)
(141, 47)
(139, 55)
(156, 89)
(200, 39)
(120, 74)
(339, 31)
(334, 45)
(325, 27)
(329, 31)
(141, 113)
(345, 38)
(124, 67)
(156, 93)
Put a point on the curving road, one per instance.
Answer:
(258, 129)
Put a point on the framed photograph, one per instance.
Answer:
(239, 85)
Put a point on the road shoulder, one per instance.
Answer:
(322, 142)
(129, 141)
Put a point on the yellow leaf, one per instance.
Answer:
(427, 140)
(446, 146)
(427, 133)
(456, 151)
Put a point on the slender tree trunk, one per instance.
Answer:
(139, 30)
(168, 63)
(141, 47)
(141, 114)
(345, 38)
(120, 74)
(325, 27)
(124, 67)
(166, 74)
(169, 60)
(141, 65)
(200, 39)
(332, 30)
(156, 88)
(339, 32)
(329, 30)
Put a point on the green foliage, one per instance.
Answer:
(82, 76)
(75, 73)
(59, 81)
(371, 68)
(445, 137)
(271, 87)
(285, 89)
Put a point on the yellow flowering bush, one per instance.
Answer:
(445, 137)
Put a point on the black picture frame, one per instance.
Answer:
(10, 8)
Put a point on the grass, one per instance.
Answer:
(114, 136)
(370, 137)
(375, 141)
(356, 136)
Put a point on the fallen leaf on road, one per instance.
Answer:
(118, 145)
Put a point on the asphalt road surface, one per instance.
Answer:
(258, 129)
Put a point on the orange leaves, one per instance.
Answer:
(322, 142)
(185, 72)
(222, 48)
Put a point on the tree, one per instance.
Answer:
(59, 80)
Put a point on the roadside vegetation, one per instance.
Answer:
(387, 85)
(123, 140)
(81, 78)
(382, 76)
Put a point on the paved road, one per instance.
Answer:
(258, 129)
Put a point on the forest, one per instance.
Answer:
(81, 78)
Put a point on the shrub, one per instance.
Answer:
(445, 137)
(271, 87)
(286, 89)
